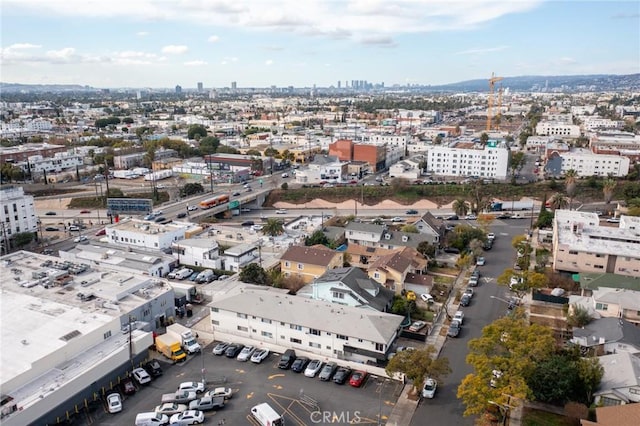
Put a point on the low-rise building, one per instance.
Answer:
(200, 252)
(461, 158)
(270, 318)
(620, 383)
(17, 215)
(587, 163)
(607, 336)
(145, 234)
(234, 258)
(309, 263)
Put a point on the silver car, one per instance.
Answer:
(313, 368)
(245, 353)
(327, 371)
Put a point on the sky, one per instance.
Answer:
(260, 43)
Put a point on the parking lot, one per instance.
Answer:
(303, 400)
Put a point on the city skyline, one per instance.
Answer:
(155, 43)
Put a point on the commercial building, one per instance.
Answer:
(271, 318)
(549, 128)
(469, 159)
(59, 162)
(586, 163)
(145, 234)
(17, 215)
(22, 152)
(62, 333)
(581, 244)
(347, 150)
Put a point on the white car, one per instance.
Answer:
(256, 227)
(480, 261)
(170, 408)
(429, 389)
(189, 417)
(468, 291)
(141, 376)
(114, 402)
(459, 316)
(260, 355)
(197, 387)
(192, 208)
(491, 236)
(313, 368)
(497, 374)
(245, 353)
(80, 239)
(221, 391)
(397, 219)
(515, 281)
(426, 297)
(281, 211)
(471, 217)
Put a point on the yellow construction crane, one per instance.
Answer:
(492, 83)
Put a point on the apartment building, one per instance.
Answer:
(469, 159)
(14, 154)
(581, 244)
(127, 161)
(18, 215)
(586, 163)
(309, 263)
(59, 162)
(271, 318)
(374, 155)
(549, 128)
(145, 234)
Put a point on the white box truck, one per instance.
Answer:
(189, 343)
(266, 415)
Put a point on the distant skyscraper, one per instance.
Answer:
(200, 87)
(234, 85)
(339, 83)
(178, 89)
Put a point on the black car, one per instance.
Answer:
(452, 217)
(487, 245)
(153, 368)
(287, 358)
(51, 229)
(341, 375)
(465, 300)
(51, 213)
(454, 329)
(160, 219)
(412, 211)
(248, 223)
(299, 364)
(452, 250)
(233, 350)
(181, 215)
(235, 194)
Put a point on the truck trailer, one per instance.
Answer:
(171, 347)
(187, 340)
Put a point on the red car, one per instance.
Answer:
(85, 211)
(128, 388)
(357, 378)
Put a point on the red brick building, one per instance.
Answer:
(346, 150)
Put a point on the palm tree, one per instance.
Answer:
(570, 179)
(558, 201)
(607, 188)
(273, 227)
(460, 207)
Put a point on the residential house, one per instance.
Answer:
(268, 317)
(234, 258)
(615, 415)
(392, 270)
(200, 252)
(308, 263)
(428, 224)
(372, 235)
(351, 287)
(607, 336)
(620, 383)
(612, 295)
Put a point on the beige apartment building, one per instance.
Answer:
(582, 244)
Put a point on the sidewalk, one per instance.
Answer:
(405, 407)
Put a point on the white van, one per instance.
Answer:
(151, 419)
(266, 415)
(184, 273)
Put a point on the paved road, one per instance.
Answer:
(446, 408)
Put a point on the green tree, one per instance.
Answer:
(23, 238)
(318, 237)
(273, 227)
(558, 201)
(608, 188)
(570, 181)
(462, 235)
(426, 249)
(419, 364)
(555, 380)
(518, 160)
(254, 274)
(502, 358)
(224, 149)
(209, 145)
(196, 131)
(284, 186)
(409, 228)
(590, 372)
(578, 316)
(460, 207)
(191, 189)
(484, 138)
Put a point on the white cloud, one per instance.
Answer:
(175, 50)
(480, 51)
(268, 62)
(142, 33)
(194, 63)
(213, 39)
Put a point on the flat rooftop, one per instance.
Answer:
(147, 227)
(581, 231)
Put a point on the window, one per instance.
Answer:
(287, 264)
(294, 340)
(295, 327)
(314, 331)
(379, 347)
(268, 321)
(107, 334)
(573, 252)
(215, 322)
(215, 310)
(267, 334)
(315, 345)
(300, 266)
(602, 306)
(376, 275)
(338, 295)
(608, 402)
(241, 328)
(341, 337)
(242, 315)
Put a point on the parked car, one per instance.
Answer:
(281, 211)
(128, 388)
(193, 276)
(51, 213)
(51, 229)
(451, 250)
(245, 353)
(468, 291)
(189, 417)
(471, 217)
(454, 329)
(80, 239)
(233, 350)
(465, 300)
(248, 223)
(412, 211)
(426, 297)
(480, 261)
(220, 348)
(327, 371)
(429, 388)
(207, 403)
(85, 211)
(260, 355)
(100, 232)
(153, 368)
(357, 378)
(313, 368)
(300, 364)
(141, 376)
(287, 358)
(397, 219)
(473, 280)
(197, 387)
(341, 375)
(417, 326)
(459, 316)
(226, 393)
(114, 403)
(170, 408)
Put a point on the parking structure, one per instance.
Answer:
(303, 400)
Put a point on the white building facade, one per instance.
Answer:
(18, 215)
(586, 163)
(145, 234)
(490, 161)
(548, 128)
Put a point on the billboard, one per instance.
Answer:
(129, 205)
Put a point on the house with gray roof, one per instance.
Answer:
(428, 224)
(608, 335)
(350, 287)
(620, 383)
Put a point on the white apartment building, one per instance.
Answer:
(200, 252)
(393, 154)
(127, 161)
(538, 142)
(145, 234)
(559, 117)
(406, 169)
(549, 128)
(62, 339)
(581, 244)
(18, 215)
(583, 109)
(271, 318)
(234, 258)
(16, 126)
(586, 163)
(59, 162)
(396, 141)
(466, 159)
(592, 123)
